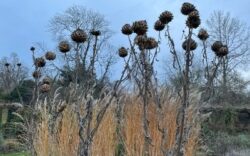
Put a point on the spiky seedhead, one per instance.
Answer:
(151, 43)
(140, 27)
(216, 46)
(46, 80)
(187, 8)
(95, 32)
(36, 74)
(140, 41)
(166, 17)
(7, 65)
(193, 20)
(50, 56)
(32, 49)
(79, 36)
(223, 51)
(159, 26)
(123, 52)
(64, 46)
(45, 88)
(19, 64)
(203, 35)
(189, 44)
(40, 62)
(127, 29)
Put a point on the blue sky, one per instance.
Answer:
(25, 22)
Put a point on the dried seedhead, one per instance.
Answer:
(159, 26)
(44, 88)
(79, 36)
(36, 74)
(140, 27)
(95, 32)
(127, 29)
(123, 52)
(64, 46)
(50, 56)
(191, 44)
(203, 35)
(40, 62)
(193, 20)
(166, 17)
(187, 8)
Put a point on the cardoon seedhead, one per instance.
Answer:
(36, 74)
(159, 26)
(50, 56)
(32, 49)
(40, 62)
(19, 64)
(127, 29)
(140, 27)
(216, 46)
(166, 17)
(151, 43)
(203, 35)
(7, 65)
(123, 52)
(44, 88)
(64, 46)
(223, 51)
(95, 32)
(193, 20)
(187, 8)
(79, 36)
(189, 43)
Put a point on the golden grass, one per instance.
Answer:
(66, 141)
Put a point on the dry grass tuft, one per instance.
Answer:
(66, 140)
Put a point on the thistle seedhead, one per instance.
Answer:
(187, 8)
(40, 62)
(140, 27)
(159, 26)
(203, 35)
(193, 20)
(44, 88)
(50, 56)
(166, 17)
(123, 52)
(36, 74)
(127, 29)
(189, 43)
(79, 36)
(95, 32)
(151, 43)
(216, 46)
(64, 46)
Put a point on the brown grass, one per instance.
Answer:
(105, 140)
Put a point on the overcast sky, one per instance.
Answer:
(24, 22)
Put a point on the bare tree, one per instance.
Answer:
(235, 34)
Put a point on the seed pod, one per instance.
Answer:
(223, 51)
(140, 27)
(44, 88)
(64, 46)
(7, 65)
(166, 17)
(151, 43)
(40, 62)
(50, 56)
(19, 64)
(193, 20)
(32, 49)
(36, 74)
(216, 46)
(123, 52)
(96, 32)
(127, 29)
(159, 26)
(189, 43)
(140, 41)
(203, 35)
(79, 36)
(187, 8)
(46, 80)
